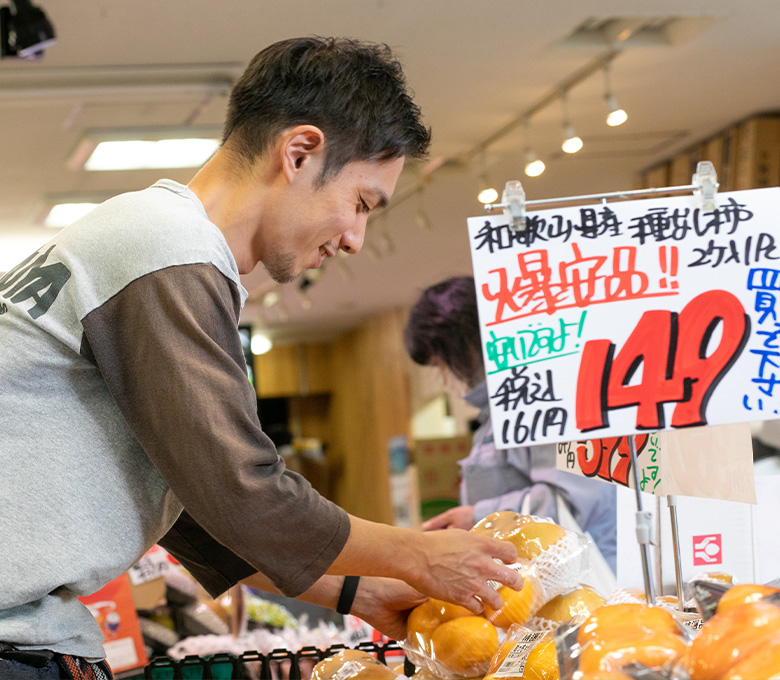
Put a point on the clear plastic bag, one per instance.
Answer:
(551, 560)
(449, 640)
(353, 664)
(632, 639)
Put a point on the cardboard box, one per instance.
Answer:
(758, 153)
(438, 472)
(149, 594)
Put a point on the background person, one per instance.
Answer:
(443, 331)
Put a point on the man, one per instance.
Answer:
(126, 417)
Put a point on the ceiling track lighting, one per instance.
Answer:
(616, 115)
(534, 166)
(571, 142)
(487, 192)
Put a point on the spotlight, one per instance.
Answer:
(533, 165)
(487, 194)
(25, 31)
(571, 142)
(616, 116)
(260, 343)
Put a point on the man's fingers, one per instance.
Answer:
(491, 598)
(505, 551)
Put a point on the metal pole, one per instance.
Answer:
(611, 194)
(672, 501)
(643, 525)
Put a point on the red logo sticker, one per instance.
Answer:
(707, 550)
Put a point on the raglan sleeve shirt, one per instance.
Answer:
(168, 347)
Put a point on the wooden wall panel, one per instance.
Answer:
(278, 372)
(369, 404)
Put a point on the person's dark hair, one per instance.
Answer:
(355, 92)
(444, 324)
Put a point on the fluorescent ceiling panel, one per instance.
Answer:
(63, 214)
(138, 154)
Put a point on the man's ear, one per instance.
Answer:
(301, 147)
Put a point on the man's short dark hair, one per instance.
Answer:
(444, 324)
(355, 92)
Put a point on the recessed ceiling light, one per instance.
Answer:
(145, 149)
(138, 154)
(64, 214)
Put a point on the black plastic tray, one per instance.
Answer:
(225, 666)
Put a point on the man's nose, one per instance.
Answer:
(352, 240)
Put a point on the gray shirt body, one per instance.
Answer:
(123, 400)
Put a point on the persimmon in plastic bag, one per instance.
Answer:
(449, 640)
(551, 560)
(353, 664)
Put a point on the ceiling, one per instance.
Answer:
(476, 68)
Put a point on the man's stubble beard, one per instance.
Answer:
(281, 267)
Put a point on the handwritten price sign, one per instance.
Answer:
(633, 317)
(711, 462)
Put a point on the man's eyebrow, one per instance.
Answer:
(383, 200)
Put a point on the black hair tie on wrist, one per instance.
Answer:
(347, 596)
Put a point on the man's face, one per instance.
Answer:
(311, 222)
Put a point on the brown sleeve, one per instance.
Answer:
(169, 350)
(214, 566)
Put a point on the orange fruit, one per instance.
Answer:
(719, 576)
(422, 621)
(612, 654)
(465, 645)
(516, 607)
(447, 611)
(626, 620)
(498, 658)
(730, 637)
(532, 538)
(762, 664)
(742, 594)
(428, 616)
(581, 600)
(497, 523)
(605, 675)
(352, 663)
(542, 662)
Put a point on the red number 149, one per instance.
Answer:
(677, 363)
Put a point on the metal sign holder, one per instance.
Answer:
(704, 184)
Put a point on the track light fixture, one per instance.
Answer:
(25, 31)
(487, 192)
(533, 165)
(571, 142)
(616, 115)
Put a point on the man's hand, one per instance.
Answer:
(451, 564)
(461, 517)
(457, 565)
(385, 604)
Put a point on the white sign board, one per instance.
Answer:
(711, 462)
(715, 536)
(608, 320)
